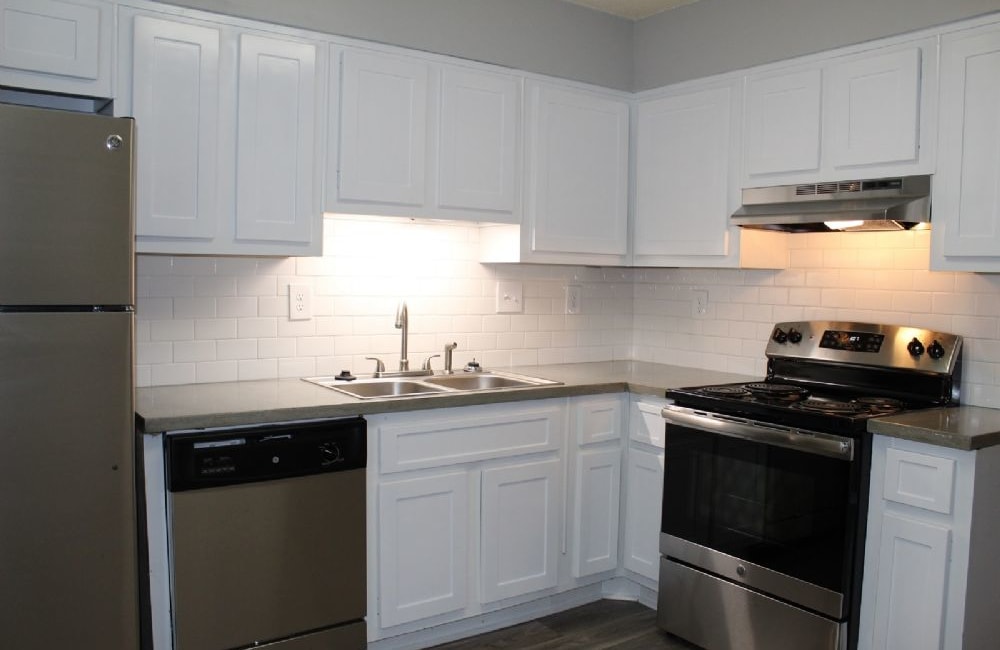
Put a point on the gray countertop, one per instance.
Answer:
(962, 427)
(199, 406)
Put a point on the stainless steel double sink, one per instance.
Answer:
(461, 382)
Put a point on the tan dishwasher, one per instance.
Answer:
(267, 536)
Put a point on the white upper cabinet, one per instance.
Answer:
(228, 154)
(783, 122)
(383, 128)
(277, 193)
(874, 106)
(577, 176)
(478, 141)
(685, 173)
(865, 114)
(686, 187)
(175, 100)
(423, 139)
(966, 226)
(57, 46)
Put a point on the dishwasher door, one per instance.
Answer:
(268, 559)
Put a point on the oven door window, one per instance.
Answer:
(783, 509)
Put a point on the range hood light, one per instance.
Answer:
(843, 225)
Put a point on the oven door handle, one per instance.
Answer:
(811, 442)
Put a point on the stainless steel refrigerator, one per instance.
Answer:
(67, 504)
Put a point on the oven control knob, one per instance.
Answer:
(779, 335)
(915, 347)
(741, 570)
(936, 350)
(794, 336)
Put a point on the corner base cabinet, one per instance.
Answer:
(931, 566)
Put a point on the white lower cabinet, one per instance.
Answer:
(520, 524)
(478, 509)
(644, 488)
(468, 511)
(930, 557)
(597, 422)
(423, 567)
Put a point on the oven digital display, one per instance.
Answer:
(852, 341)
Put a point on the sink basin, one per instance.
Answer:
(479, 382)
(382, 387)
(369, 388)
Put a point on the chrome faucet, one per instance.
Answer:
(403, 323)
(448, 349)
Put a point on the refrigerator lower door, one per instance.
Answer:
(67, 506)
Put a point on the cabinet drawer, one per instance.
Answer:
(598, 419)
(919, 480)
(469, 435)
(648, 426)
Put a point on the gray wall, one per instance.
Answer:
(544, 36)
(713, 36)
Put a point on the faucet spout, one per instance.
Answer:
(403, 323)
(448, 349)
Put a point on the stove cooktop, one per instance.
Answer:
(787, 404)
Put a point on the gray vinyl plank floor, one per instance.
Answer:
(602, 625)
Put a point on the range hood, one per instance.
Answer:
(898, 203)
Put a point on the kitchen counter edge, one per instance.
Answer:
(203, 406)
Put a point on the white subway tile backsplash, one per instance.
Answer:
(188, 351)
(215, 328)
(212, 371)
(237, 349)
(236, 308)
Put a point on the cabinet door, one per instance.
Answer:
(967, 184)
(683, 174)
(175, 101)
(595, 529)
(783, 123)
(56, 46)
(577, 172)
(911, 583)
(276, 197)
(478, 140)
(520, 528)
(423, 529)
(383, 129)
(643, 504)
(873, 107)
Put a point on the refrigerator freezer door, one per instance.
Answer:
(65, 208)
(67, 505)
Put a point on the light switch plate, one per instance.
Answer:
(510, 297)
(574, 294)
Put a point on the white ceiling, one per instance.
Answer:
(633, 9)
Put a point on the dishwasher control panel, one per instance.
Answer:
(215, 458)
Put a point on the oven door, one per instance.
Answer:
(766, 507)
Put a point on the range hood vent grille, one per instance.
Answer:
(897, 203)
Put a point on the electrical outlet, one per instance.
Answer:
(300, 302)
(699, 304)
(510, 297)
(574, 295)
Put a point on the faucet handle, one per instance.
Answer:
(427, 361)
(379, 366)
